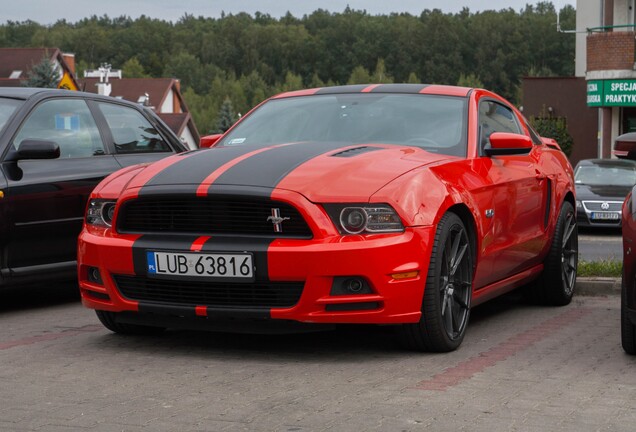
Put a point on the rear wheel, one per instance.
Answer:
(448, 291)
(556, 285)
(109, 320)
(628, 329)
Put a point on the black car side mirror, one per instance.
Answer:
(37, 149)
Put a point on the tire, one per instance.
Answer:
(448, 291)
(109, 320)
(628, 329)
(556, 284)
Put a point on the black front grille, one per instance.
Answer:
(211, 215)
(279, 294)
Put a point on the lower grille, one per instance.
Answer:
(223, 294)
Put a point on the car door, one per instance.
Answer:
(45, 200)
(133, 137)
(518, 192)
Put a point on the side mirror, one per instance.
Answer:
(625, 147)
(37, 149)
(209, 140)
(505, 143)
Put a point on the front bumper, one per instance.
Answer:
(394, 267)
(588, 215)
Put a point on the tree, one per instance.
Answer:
(43, 75)
(380, 76)
(226, 117)
(133, 69)
(359, 75)
(556, 128)
(470, 80)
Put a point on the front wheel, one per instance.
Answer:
(448, 291)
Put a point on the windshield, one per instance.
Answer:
(434, 123)
(7, 108)
(613, 175)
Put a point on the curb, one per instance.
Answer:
(597, 286)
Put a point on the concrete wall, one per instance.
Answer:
(589, 13)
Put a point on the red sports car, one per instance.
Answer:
(381, 204)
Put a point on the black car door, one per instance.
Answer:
(44, 200)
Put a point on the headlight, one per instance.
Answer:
(364, 218)
(578, 204)
(100, 212)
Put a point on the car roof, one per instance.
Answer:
(383, 88)
(30, 92)
(607, 163)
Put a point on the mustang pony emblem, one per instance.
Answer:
(277, 220)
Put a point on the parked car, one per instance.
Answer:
(56, 145)
(382, 204)
(601, 188)
(628, 285)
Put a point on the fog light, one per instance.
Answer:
(95, 276)
(354, 285)
(350, 285)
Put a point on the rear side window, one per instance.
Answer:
(131, 131)
(68, 122)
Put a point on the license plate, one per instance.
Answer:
(207, 265)
(604, 216)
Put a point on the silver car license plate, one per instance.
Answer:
(206, 265)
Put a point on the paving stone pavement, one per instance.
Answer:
(520, 368)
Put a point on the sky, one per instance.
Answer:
(48, 11)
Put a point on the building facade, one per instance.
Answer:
(606, 57)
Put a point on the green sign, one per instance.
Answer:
(609, 93)
(595, 93)
(619, 93)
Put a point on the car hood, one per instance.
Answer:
(322, 172)
(604, 192)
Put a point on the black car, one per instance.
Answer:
(55, 146)
(601, 188)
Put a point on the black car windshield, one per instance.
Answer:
(434, 123)
(7, 108)
(609, 175)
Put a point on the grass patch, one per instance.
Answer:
(603, 268)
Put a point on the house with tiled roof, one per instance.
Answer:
(163, 95)
(16, 63)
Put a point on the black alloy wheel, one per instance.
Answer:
(448, 291)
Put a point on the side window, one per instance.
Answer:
(534, 135)
(69, 123)
(132, 132)
(494, 117)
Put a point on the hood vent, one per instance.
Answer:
(355, 151)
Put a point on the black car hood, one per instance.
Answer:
(604, 192)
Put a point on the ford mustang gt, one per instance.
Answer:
(394, 204)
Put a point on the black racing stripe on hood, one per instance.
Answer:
(194, 169)
(268, 168)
